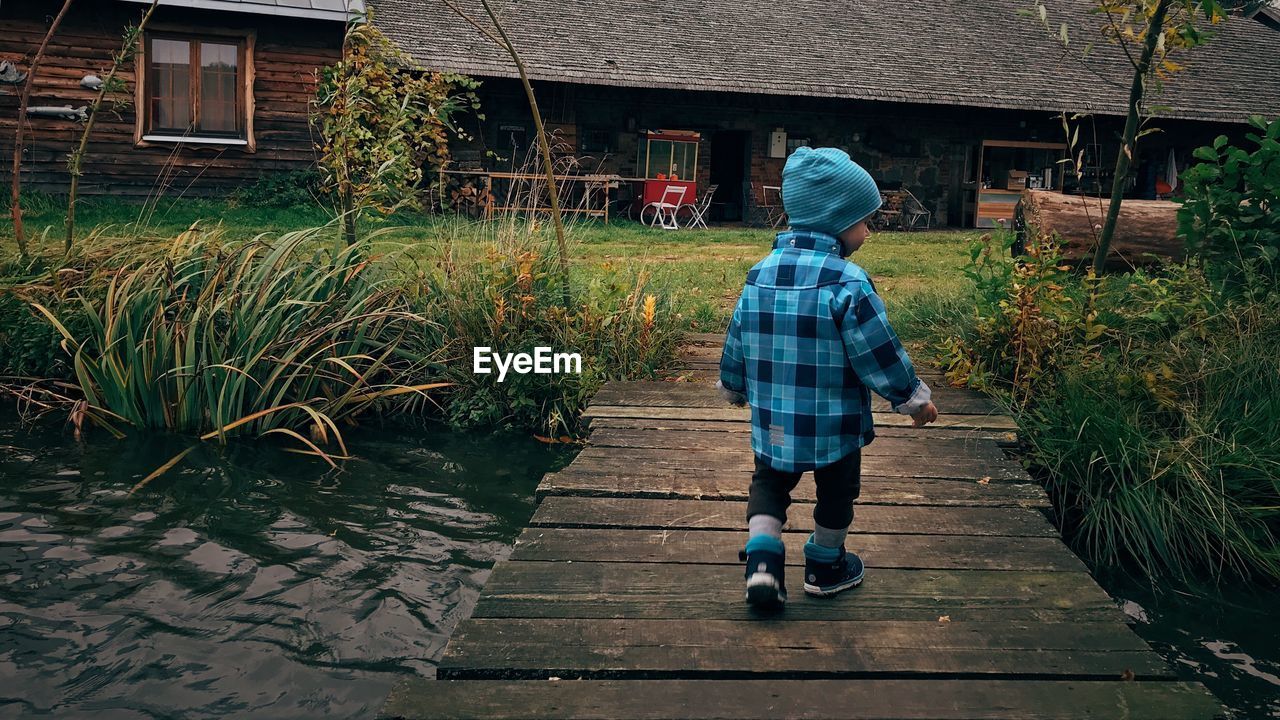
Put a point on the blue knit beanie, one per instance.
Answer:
(823, 190)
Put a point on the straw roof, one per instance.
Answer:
(939, 52)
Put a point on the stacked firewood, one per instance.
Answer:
(469, 199)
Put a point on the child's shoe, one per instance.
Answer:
(825, 578)
(766, 589)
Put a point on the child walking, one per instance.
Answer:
(808, 341)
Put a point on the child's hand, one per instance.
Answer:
(732, 397)
(925, 415)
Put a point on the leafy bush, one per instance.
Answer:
(1145, 400)
(1231, 215)
(29, 346)
(297, 188)
(1159, 452)
(510, 300)
(1024, 313)
(383, 124)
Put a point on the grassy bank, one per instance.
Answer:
(1147, 403)
(701, 272)
(210, 333)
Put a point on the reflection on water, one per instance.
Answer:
(247, 581)
(1229, 640)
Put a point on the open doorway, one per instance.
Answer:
(730, 157)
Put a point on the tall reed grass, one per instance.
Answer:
(272, 336)
(1148, 408)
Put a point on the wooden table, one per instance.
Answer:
(594, 190)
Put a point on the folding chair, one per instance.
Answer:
(698, 209)
(765, 209)
(664, 211)
(915, 216)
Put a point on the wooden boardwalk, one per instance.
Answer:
(623, 597)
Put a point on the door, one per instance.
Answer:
(730, 158)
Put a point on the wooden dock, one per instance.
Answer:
(624, 596)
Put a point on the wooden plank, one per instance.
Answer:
(682, 591)
(955, 552)
(664, 394)
(609, 460)
(708, 372)
(570, 647)
(638, 513)
(707, 347)
(711, 340)
(958, 421)
(648, 482)
(740, 443)
(815, 699)
(1001, 438)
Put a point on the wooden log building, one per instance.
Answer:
(224, 95)
(939, 97)
(957, 102)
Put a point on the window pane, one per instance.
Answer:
(659, 158)
(170, 84)
(218, 66)
(684, 159)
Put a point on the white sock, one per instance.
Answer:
(762, 524)
(829, 537)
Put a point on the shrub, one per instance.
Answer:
(1231, 215)
(383, 125)
(1162, 454)
(296, 188)
(510, 300)
(1145, 401)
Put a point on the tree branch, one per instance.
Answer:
(15, 206)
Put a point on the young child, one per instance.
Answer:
(808, 341)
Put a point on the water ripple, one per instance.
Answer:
(246, 581)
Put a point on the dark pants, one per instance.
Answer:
(838, 486)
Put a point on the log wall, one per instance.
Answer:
(288, 52)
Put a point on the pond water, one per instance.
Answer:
(252, 582)
(248, 581)
(1226, 638)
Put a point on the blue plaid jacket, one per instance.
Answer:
(808, 341)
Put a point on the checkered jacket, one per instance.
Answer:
(808, 341)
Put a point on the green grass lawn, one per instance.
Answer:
(701, 270)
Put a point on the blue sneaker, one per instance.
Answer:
(766, 587)
(825, 579)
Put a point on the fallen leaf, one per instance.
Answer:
(984, 480)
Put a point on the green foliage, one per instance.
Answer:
(297, 188)
(384, 124)
(1023, 313)
(29, 346)
(1162, 453)
(1145, 400)
(1231, 215)
(510, 300)
(254, 338)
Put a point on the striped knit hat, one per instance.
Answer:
(824, 191)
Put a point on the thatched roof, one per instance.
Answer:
(947, 52)
(315, 9)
